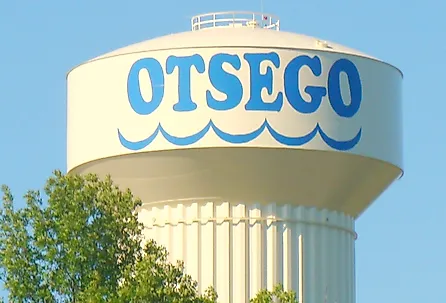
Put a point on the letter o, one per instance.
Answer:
(334, 88)
(137, 102)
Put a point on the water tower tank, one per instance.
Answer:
(253, 149)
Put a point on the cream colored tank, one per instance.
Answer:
(253, 149)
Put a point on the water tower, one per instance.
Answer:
(253, 149)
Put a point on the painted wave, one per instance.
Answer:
(241, 138)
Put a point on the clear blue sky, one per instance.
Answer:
(401, 250)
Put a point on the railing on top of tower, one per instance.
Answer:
(235, 19)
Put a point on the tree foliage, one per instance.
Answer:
(81, 241)
(277, 295)
(85, 245)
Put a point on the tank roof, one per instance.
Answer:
(234, 37)
(238, 29)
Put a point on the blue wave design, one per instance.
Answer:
(241, 138)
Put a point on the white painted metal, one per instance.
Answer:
(217, 37)
(242, 248)
(344, 181)
(211, 203)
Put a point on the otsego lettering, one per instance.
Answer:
(231, 86)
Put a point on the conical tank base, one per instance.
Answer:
(336, 181)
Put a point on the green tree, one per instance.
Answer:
(81, 242)
(85, 245)
(277, 295)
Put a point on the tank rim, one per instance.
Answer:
(247, 47)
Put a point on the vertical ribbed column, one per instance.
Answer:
(256, 252)
(240, 255)
(289, 250)
(207, 245)
(239, 249)
(224, 245)
(193, 237)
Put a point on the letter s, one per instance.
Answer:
(224, 82)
